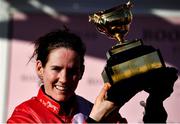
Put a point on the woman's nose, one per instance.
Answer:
(63, 77)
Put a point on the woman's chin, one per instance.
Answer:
(61, 98)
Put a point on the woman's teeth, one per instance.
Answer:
(62, 88)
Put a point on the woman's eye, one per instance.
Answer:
(56, 68)
(73, 71)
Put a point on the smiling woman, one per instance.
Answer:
(60, 65)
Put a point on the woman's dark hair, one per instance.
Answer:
(55, 39)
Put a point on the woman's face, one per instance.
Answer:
(61, 73)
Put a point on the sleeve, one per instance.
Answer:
(20, 116)
(112, 118)
(154, 111)
(90, 120)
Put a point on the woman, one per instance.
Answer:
(60, 65)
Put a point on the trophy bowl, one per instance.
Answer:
(113, 22)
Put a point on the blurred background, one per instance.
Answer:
(157, 23)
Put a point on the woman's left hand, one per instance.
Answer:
(102, 107)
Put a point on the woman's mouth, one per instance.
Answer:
(61, 88)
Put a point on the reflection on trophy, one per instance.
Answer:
(127, 58)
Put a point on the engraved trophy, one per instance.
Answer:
(127, 58)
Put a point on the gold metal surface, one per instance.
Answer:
(136, 66)
(117, 49)
(113, 22)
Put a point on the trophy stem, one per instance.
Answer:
(119, 38)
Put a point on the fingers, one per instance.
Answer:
(173, 73)
(170, 76)
(173, 69)
(104, 90)
(165, 83)
(107, 86)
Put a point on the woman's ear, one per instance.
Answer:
(81, 72)
(39, 69)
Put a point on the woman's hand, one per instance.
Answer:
(102, 107)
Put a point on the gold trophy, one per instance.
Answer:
(127, 58)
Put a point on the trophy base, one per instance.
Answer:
(131, 59)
